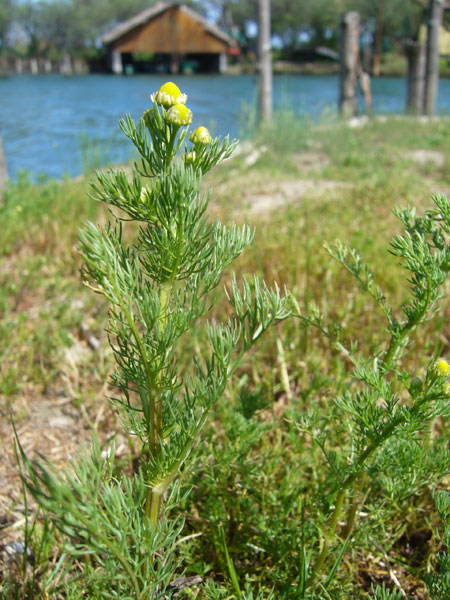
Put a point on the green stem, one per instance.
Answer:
(354, 505)
(151, 384)
(164, 484)
(348, 482)
(153, 497)
(372, 447)
(170, 144)
(230, 565)
(152, 388)
(329, 536)
(396, 341)
(151, 504)
(284, 374)
(152, 507)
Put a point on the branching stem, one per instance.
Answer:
(170, 144)
(409, 326)
(153, 499)
(348, 483)
(375, 444)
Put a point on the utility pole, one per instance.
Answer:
(434, 23)
(264, 60)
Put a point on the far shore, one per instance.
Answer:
(393, 65)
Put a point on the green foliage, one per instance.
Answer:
(264, 474)
(98, 515)
(383, 593)
(401, 18)
(387, 413)
(157, 287)
(320, 18)
(5, 20)
(73, 25)
(160, 286)
(439, 582)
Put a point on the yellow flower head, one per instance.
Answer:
(442, 368)
(179, 114)
(201, 136)
(168, 95)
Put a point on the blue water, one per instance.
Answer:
(54, 125)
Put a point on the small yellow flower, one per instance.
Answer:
(442, 368)
(201, 136)
(168, 95)
(179, 114)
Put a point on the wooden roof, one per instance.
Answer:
(168, 27)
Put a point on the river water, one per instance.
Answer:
(52, 125)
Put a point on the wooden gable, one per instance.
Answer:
(172, 31)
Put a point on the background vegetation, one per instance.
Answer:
(50, 28)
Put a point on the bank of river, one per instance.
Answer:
(54, 125)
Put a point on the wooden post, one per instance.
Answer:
(66, 65)
(366, 88)
(434, 23)
(415, 53)
(116, 62)
(223, 62)
(3, 170)
(264, 60)
(349, 57)
(19, 66)
(175, 63)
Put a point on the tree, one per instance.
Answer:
(6, 12)
(235, 15)
(30, 17)
(401, 18)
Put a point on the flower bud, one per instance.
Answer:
(415, 386)
(201, 136)
(446, 389)
(179, 114)
(144, 195)
(148, 116)
(190, 158)
(168, 95)
(441, 368)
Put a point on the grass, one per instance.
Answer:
(250, 507)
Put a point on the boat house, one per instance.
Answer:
(168, 38)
